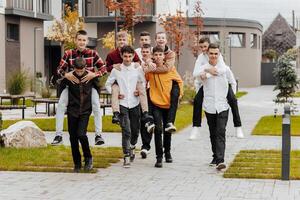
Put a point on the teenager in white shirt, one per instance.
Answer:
(127, 78)
(215, 105)
(197, 109)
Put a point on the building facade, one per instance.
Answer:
(21, 37)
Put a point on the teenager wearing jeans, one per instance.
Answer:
(79, 110)
(127, 78)
(160, 96)
(95, 68)
(198, 100)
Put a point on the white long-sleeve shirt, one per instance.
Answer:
(127, 79)
(202, 59)
(215, 90)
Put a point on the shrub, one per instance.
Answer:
(17, 83)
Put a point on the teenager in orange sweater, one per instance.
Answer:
(160, 96)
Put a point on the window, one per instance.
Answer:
(1, 3)
(237, 39)
(253, 40)
(13, 32)
(213, 36)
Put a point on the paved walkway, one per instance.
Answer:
(188, 178)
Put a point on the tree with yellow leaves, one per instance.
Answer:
(64, 30)
(108, 40)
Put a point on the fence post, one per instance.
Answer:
(286, 143)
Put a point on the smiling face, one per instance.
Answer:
(204, 47)
(161, 40)
(145, 40)
(158, 57)
(213, 55)
(146, 53)
(81, 42)
(122, 41)
(127, 58)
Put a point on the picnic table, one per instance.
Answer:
(47, 103)
(13, 106)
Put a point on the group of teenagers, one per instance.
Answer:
(145, 90)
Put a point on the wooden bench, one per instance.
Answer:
(47, 102)
(11, 107)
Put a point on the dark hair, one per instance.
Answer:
(81, 32)
(157, 49)
(79, 63)
(204, 39)
(144, 33)
(213, 46)
(127, 49)
(146, 46)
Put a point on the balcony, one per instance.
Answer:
(96, 11)
(40, 9)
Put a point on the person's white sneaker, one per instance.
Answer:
(194, 133)
(239, 132)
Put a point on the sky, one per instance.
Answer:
(263, 11)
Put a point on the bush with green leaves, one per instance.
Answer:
(17, 83)
(286, 78)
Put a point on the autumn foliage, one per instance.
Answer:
(64, 30)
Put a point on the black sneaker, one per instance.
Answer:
(170, 128)
(77, 168)
(116, 118)
(158, 163)
(132, 153)
(213, 162)
(99, 140)
(144, 153)
(126, 163)
(221, 166)
(88, 164)
(57, 140)
(168, 157)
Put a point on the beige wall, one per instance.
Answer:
(245, 62)
(2, 54)
(27, 45)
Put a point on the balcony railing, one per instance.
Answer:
(97, 8)
(42, 6)
(20, 4)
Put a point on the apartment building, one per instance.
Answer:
(21, 37)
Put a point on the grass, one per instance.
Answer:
(262, 164)
(28, 103)
(183, 119)
(53, 159)
(297, 94)
(270, 126)
(240, 94)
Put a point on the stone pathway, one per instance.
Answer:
(188, 178)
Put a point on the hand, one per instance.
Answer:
(203, 77)
(117, 66)
(121, 96)
(136, 93)
(70, 76)
(90, 75)
(213, 71)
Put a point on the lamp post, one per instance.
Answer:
(34, 57)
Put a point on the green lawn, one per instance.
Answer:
(183, 119)
(261, 164)
(268, 125)
(28, 103)
(239, 94)
(53, 159)
(297, 94)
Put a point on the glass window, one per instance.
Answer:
(253, 40)
(1, 3)
(13, 32)
(237, 39)
(213, 36)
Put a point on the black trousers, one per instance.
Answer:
(160, 120)
(217, 128)
(146, 137)
(77, 129)
(130, 124)
(231, 99)
(175, 93)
